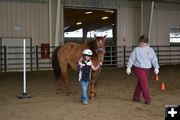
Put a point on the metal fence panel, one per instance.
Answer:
(116, 56)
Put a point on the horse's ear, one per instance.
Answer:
(104, 37)
(95, 36)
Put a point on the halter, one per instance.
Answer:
(99, 49)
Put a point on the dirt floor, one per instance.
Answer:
(114, 100)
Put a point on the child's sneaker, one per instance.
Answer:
(84, 102)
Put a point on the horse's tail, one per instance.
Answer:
(55, 64)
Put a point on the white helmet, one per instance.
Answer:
(87, 52)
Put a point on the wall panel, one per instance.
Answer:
(31, 17)
(128, 26)
(163, 20)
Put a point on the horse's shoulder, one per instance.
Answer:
(94, 61)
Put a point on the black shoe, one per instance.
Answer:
(148, 102)
(134, 100)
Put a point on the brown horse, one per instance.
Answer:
(70, 53)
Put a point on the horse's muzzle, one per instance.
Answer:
(101, 58)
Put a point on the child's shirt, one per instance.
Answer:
(84, 70)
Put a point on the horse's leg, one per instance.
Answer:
(94, 83)
(64, 77)
(63, 62)
(95, 86)
(59, 86)
(64, 71)
(93, 90)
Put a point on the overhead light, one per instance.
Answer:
(66, 27)
(78, 23)
(109, 11)
(105, 17)
(88, 12)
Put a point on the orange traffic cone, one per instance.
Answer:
(162, 86)
(157, 77)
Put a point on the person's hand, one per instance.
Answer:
(128, 71)
(81, 65)
(156, 70)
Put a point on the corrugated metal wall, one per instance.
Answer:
(52, 22)
(164, 18)
(31, 18)
(101, 3)
(146, 6)
(128, 23)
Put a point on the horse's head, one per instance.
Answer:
(100, 54)
(100, 47)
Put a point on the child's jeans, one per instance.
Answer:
(84, 86)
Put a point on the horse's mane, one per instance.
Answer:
(92, 45)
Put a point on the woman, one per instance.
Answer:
(142, 59)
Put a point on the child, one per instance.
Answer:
(85, 66)
(142, 58)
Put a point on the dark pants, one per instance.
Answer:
(142, 84)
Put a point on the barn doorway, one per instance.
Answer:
(80, 24)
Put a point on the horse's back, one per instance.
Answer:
(74, 45)
(71, 52)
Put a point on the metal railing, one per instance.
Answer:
(12, 57)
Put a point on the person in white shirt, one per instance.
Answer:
(141, 60)
(85, 66)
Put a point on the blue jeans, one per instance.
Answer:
(84, 86)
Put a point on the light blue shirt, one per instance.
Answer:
(143, 57)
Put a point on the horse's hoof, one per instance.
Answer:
(69, 93)
(91, 97)
(59, 89)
